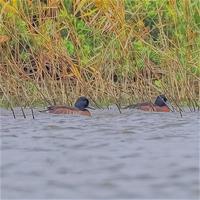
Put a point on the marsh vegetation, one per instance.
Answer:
(114, 52)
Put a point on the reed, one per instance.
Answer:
(115, 52)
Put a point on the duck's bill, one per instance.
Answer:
(92, 108)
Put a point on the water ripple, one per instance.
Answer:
(132, 155)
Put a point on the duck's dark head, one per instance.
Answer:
(81, 103)
(161, 100)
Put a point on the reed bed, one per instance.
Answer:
(114, 52)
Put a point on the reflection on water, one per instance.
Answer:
(109, 155)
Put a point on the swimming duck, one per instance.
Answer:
(160, 105)
(79, 108)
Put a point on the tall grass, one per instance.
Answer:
(112, 51)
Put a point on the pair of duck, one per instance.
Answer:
(160, 105)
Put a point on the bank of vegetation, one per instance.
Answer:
(113, 51)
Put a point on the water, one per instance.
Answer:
(109, 155)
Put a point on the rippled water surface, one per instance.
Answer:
(108, 155)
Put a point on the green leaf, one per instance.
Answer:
(69, 46)
(24, 56)
(158, 83)
(155, 57)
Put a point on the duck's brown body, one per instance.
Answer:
(150, 107)
(68, 110)
(160, 105)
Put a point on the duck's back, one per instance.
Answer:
(150, 107)
(67, 110)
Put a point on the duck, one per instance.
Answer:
(160, 105)
(79, 108)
